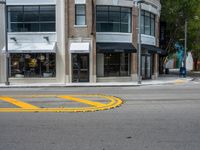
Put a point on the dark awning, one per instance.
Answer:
(154, 49)
(115, 48)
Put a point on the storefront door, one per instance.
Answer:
(146, 66)
(80, 67)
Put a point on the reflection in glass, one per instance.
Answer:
(116, 64)
(80, 15)
(31, 18)
(80, 67)
(113, 19)
(147, 23)
(33, 65)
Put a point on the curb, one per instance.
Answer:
(178, 80)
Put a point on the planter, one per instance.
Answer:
(19, 76)
(47, 74)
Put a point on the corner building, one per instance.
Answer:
(66, 41)
(103, 40)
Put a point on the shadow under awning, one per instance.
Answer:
(115, 48)
(154, 49)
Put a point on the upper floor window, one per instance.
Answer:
(80, 15)
(31, 18)
(113, 19)
(147, 23)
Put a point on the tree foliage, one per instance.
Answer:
(174, 13)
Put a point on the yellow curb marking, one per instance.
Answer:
(18, 103)
(114, 102)
(180, 81)
(95, 104)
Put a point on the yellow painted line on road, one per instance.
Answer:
(113, 102)
(95, 104)
(18, 103)
(180, 81)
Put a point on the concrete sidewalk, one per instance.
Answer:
(161, 80)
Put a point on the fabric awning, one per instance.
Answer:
(154, 49)
(80, 48)
(31, 47)
(115, 48)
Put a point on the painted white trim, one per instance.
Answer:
(151, 8)
(147, 39)
(80, 26)
(31, 48)
(126, 3)
(114, 37)
(31, 2)
(80, 1)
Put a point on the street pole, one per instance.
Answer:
(6, 42)
(138, 2)
(139, 46)
(185, 49)
(6, 46)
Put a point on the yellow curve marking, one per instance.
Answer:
(180, 81)
(95, 104)
(18, 103)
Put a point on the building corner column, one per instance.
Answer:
(134, 42)
(61, 46)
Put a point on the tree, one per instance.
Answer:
(174, 13)
(194, 38)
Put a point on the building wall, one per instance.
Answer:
(58, 36)
(81, 33)
(67, 32)
(2, 42)
(135, 43)
(154, 7)
(77, 31)
(61, 31)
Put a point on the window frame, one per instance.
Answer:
(151, 17)
(118, 64)
(23, 67)
(39, 22)
(107, 10)
(78, 15)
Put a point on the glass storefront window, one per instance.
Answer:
(147, 23)
(113, 19)
(115, 64)
(31, 18)
(33, 65)
(147, 66)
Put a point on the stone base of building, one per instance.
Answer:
(114, 79)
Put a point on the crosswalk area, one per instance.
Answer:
(58, 103)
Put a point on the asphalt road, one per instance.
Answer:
(162, 117)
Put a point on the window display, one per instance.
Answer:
(115, 64)
(33, 65)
